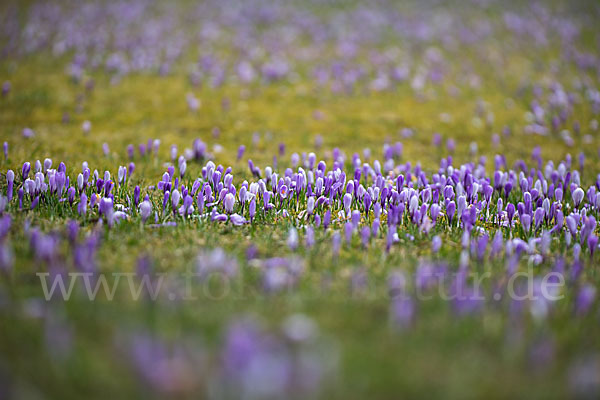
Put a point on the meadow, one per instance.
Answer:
(304, 199)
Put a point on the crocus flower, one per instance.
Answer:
(292, 240)
(510, 212)
(200, 203)
(365, 235)
(336, 243)
(252, 209)
(375, 227)
(585, 299)
(229, 202)
(6, 86)
(592, 243)
(326, 219)
(175, 197)
(34, 203)
(6, 258)
(10, 179)
(182, 168)
(402, 311)
(558, 194)
(538, 217)
(25, 170)
(71, 195)
(82, 206)
(348, 231)
(5, 224)
(526, 222)
(3, 203)
(106, 206)
(86, 127)
(145, 210)
(237, 219)
(47, 164)
(578, 196)
(20, 194)
(310, 205)
(572, 225)
(136, 195)
(436, 243)
(309, 237)
(240, 152)
(187, 208)
(130, 151)
(355, 218)
(347, 201)
(122, 175)
(450, 210)
(435, 212)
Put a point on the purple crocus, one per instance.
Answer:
(355, 218)
(187, 208)
(402, 311)
(25, 170)
(20, 194)
(6, 86)
(592, 243)
(292, 240)
(510, 212)
(310, 205)
(145, 210)
(309, 238)
(106, 206)
(240, 152)
(365, 235)
(229, 202)
(526, 222)
(347, 202)
(136, 196)
(585, 299)
(237, 219)
(450, 210)
(326, 219)
(28, 133)
(538, 217)
(436, 244)
(71, 195)
(82, 206)
(10, 180)
(252, 209)
(348, 231)
(34, 203)
(336, 242)
(578, 196)
(175, 197)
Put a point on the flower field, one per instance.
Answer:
(299, 199)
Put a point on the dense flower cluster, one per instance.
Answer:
(521, 208)
(535, 212)
(280, 41)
